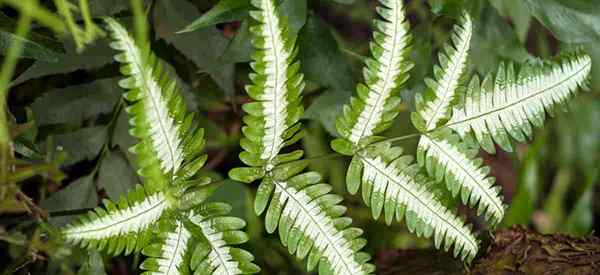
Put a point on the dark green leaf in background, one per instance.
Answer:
(77, 195)
(572, 21)
(35, 46)
(82, 144)
(321, 58)
(76, 103)
(326, 108)
(203, 46)
(518, 13)
(94, 56)
(93, 265)
(116, 176)
(223, 11)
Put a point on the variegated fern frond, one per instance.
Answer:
(173, 197)
(388, 180)
(377, 101)
(309, 219)
(272, 120)
(200, 243)
(447, 158)
(434, 107)
(215, 254)
(443, 154)
(123, 227)
(310, 222)
(514, 101)
(392, 184)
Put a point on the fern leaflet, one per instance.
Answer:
(446, 157)
(377, 102)
(507, 105)
(390, 183)
(441, 93)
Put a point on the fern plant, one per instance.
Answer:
(308, 217)
(167, 218)
(446, 114)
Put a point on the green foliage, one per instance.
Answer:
(68, 141)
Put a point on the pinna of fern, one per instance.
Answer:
(444, 155)
(308, 217)
(389, 181)
(171, 204)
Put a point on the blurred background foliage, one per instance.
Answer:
(69, 131)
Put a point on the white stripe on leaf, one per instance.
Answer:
(174, 248)
(389, 69)
(464, 174)
(391, 184)
(134, 218)
(308, 217)
(163, 130)
(453, 64)
(511, 103)
(219, 257)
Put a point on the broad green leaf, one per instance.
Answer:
(116, 176)
(581, 219)
(321, 58)
(83, 144)
(239, 49)
(203, 47)
(571, 21)
(94, 56)
(517, 11)
(76, 195)
(76, 103)
(327, 107)
(223, 11)
(493, 41)
(35, 46)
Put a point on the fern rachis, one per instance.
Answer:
(512, 101)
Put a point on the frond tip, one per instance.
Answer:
(435, 107)
(507, 105)
(390, 183)
(311, 225)
(376, 104)
(271, 121)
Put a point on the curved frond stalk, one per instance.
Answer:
(390, 183)
(116, 226)
(157, 108)
(311, 225)
(509, 104)
(169, 256)
(445, 157)
(271, 121)
(435, 107)
(214, 253)
(377, 101)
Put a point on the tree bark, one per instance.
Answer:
(515, 250)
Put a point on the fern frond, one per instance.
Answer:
(170, 255)
(377, 101)
(392, 184)
(507, 105)
(214, 253)
(446, 157)
(122, 226)
(434, 108)
(157, 108)
(311, 225)
(272, 120)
